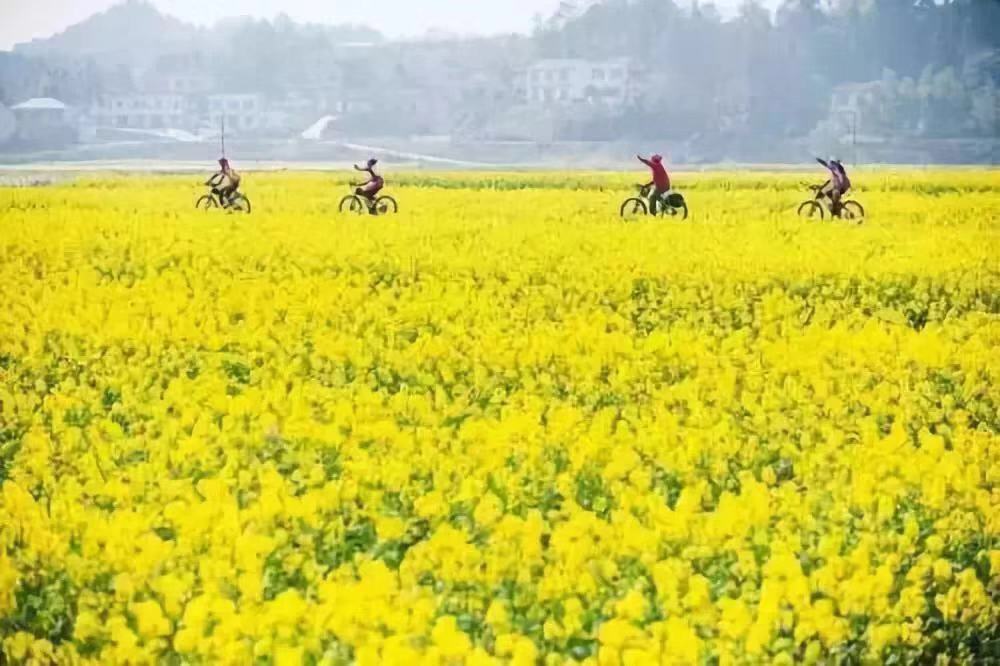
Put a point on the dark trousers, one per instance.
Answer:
(654, 199)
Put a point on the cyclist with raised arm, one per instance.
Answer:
(370, 189)
(837, 185)
(660, 182)
(227, 175)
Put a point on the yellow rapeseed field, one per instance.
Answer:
(502, 426)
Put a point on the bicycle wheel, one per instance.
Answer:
(633, 207)
(811, 209)
(852, 210)
(206, 202)
(351, 204)
(240, 204)
(675, 206)
(385, 205)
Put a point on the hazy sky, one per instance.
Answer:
(21, 20)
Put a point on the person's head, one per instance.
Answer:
(223, 163)
(372, 162)
(657, 158)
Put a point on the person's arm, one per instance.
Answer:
(214, 179)
(362, 169)
(645, 161)
(823, 162)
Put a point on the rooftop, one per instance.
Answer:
(559, 62)
(39, 103)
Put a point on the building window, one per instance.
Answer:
(564, 75)
(597, 74)
(247, 104)
(617, 73)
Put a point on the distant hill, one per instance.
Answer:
(133, 32)
(137, 34)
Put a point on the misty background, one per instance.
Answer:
(520, 82)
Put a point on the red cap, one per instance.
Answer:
(657, 158)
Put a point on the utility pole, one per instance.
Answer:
(854, 138)
(853, 115)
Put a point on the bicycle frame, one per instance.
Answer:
(826, 199)
(217, 195)
(662, 203)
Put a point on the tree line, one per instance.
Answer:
(934, 67)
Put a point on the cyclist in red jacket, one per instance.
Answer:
(660, 182)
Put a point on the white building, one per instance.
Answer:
(242, 112)
(41, 118)
(567, 81)
(854, 97)
(143, 111)
(156, 111)
(188, 83)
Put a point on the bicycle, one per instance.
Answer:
(670, 204)
(355, 203)
(849, 210)
(238, 202)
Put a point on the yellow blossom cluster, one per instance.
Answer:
(502, 426)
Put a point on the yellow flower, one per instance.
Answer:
(735, 620)
(288, 655)
(683, 644)
(499, 426)
(883, 636)
(616, 634)
(497, 617)
(151, 621)
(449, 639)
(390, 527)
(632, 606)
(488, 511)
